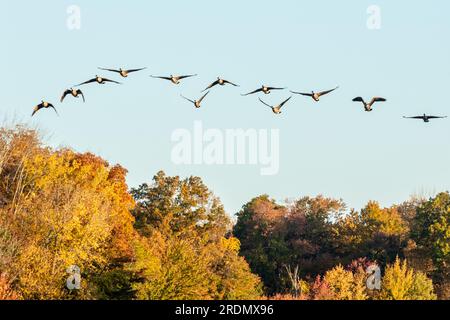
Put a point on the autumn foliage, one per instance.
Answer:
(172, 239)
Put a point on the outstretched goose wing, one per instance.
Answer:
(37, 108)
(416, 117)
(359, 99)
(188, 76)
(326, 92)
(65, 94)
(86, 82)
(111, 70)
(82, 95)
(377, 99)
(53, 107)
(211, 85)
(201, 99)
(436, 117)
(302, 93)
(109, 80)
(229, 82)
(265, 103)
(285, 101)
(164, 78)
(192, 101)
(136, 70)
(253, 92)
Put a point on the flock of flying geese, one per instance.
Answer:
(176, 80)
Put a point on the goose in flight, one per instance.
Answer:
(425, 118)
(315, 95)
(174, 79)
(99, 80)
(123, 73)
(220, 82)
(74, 92)
(197, 103)
(43, 105)
(276, 109)
(264, 89)
(368, 106)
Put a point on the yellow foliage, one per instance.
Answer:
(402, 283)
(63, 209)
(345, 285)
(387, 220)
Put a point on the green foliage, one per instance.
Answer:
(431, 233)
(432, 229)
(178, 206)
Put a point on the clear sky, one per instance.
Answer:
(331, 148)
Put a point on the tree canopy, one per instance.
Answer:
(170, 238)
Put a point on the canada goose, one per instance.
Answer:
(368, 106)
(197, 103)
(220, 82)
(174, 79)
(276, 109)
(264, 89)
(315, 95)
(74, 92)
(99, 80)
(123, 73)
(425, 118)
(44, 105)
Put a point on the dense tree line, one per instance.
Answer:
(172, 239)
(318, 242)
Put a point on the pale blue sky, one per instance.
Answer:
(332, 148)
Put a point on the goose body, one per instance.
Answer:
(315, 95)
(99, 80)
(122, 72)
(43, 105)
(264, 89)
(74, 92)
(276, 109)
(196, 103)
(220, 82)
(425, 118)
(369, 105)
(174, 79)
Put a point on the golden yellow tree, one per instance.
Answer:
(62, 209)
(403, 283)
